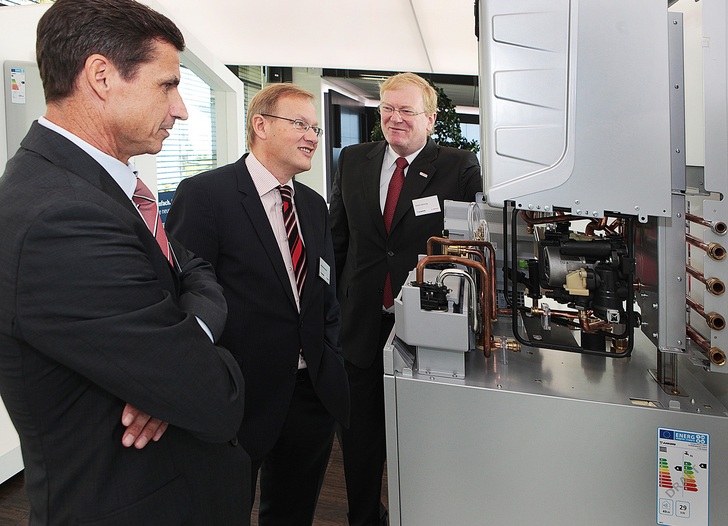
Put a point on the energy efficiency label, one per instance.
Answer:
(17, 85)
(682, 477)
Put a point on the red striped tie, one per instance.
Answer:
(393, 191)
(146, 203)
(295, 244)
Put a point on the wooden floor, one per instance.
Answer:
(331, 509)
(13, 503)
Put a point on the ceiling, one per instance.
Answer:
(350, 37)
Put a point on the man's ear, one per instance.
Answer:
(97, 74)
(259, 126)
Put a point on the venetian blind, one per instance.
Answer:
(191, 147)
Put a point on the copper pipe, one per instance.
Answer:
(585, 318)
(616, 227)
(718, 227)
(476, 254)
(467, 243)
(715, 251)
(715, 355)
(589, 325)
(530, 220)
(571, 315)
(714, 320)
(713, 285)
(484, 292)
(595, 225)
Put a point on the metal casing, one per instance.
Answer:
(575, 94)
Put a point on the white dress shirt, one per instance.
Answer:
(267, 186)
(388, 166)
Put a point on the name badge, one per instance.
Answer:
(324, 271)
(426, 205)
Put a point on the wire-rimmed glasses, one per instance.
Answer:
(388, 109)
(298, 124)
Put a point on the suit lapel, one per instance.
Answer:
(419, 175)
(253, 208)
(66, 155)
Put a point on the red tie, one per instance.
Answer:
(395, 187)
(146, 203)
(295, 244)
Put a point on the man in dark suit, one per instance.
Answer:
(101, 323)
(378, 231)
(284, 319)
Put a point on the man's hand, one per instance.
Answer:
(140, 427)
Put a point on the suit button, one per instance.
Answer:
(234, 441)
(380, 290)
(294, 370)
(390, 253)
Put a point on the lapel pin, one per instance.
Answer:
(423, 174)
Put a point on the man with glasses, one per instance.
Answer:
(387, 200)
(269, 240)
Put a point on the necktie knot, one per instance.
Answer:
(401, 163)
(286, 197)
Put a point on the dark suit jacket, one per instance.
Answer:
(219, 216)
(91, 317)
(364, 251)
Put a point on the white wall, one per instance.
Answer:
(310, 79)
(17, 42)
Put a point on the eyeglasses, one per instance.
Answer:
(388, 109)
(298, 124)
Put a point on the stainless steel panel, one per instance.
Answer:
(550, 438)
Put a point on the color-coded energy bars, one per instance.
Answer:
(689, 483)
(665, 480)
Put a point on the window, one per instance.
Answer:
(191, 147)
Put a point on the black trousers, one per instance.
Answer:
(292, 473)
(363, 444)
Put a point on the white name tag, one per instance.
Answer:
(324, 271)
(426, 205)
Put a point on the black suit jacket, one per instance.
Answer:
(219, 216)
(91, 317)
(365, 253)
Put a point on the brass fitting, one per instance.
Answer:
(715, 321)
(719, 227)
(715, 286)
(716, 251)
(716, 356)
